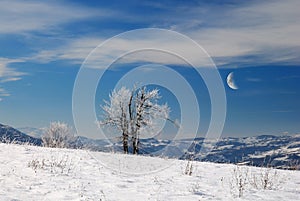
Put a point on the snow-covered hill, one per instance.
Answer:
(264, 150)
(38, 173)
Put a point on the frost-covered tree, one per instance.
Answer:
(143, 111)
(116, 113)
(58, 135)
(133, 111)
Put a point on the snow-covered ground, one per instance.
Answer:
(37, 173)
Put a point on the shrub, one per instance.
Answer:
(239, 181)
(58, 135)
(60, 164)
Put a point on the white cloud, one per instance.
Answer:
(11, 79)
(268, 30)
(78, 50)
(3, 93)
(255, 33)
(246, 34)
(8, 74)
(21, 16)
(75, 50)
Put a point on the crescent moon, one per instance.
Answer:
(230, 81)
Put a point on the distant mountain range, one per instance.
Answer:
(33, 132)
(11, 135)
(264, 150)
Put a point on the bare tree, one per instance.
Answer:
(116, 113)
(57, 135)
(144, 109)
(132, 111)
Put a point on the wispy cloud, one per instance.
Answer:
(247, 34)
(241, 34)
(21, 16)
(8, 74)
(251, 79)
(149, 48)
(3, 93)
(269, 31)
(74, 50)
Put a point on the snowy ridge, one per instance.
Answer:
(33, 132)
(38, 173)
(265, 150)
(9, 134)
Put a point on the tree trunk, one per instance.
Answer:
(125, 143)
(135, 145)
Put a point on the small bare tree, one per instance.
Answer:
(57, 135)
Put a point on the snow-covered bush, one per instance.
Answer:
(239, 180)
(58, 164)
(242, 179)
(266, 179)
(58, 135)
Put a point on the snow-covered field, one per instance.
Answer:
(37, 173)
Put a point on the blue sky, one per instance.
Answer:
(44, 43)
